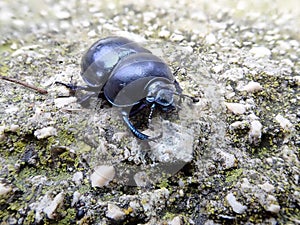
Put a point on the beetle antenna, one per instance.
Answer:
(151, 113)
(194, 99)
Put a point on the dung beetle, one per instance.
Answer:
(129, 76)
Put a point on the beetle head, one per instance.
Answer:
(161, 93)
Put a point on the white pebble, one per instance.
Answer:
(4, 190)
(218, 68)
(77, 177)
(235, 205)
(164, 33)
(238, 125)
(285, 124)
(236, 108)
(260, 52)
(177, 37)
(252, 87)
(175, 221)
(233, 74)
(228, 160)
(14, 128)
(45, 132)
(54, 205)
(267, 187)
(61, 102)
(102, 175)
(273, 208)
(210, 39)
(255, 132)
(63, 15)
(114, 212)
(76, 197)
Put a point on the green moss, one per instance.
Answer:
(234, 175)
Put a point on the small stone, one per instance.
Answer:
(233, 74)
(175, 221)
(77, 177)
(210, 39)
(285, 124)
(102, 175)
(61, 102)
(252, 87)
(45, 132)
(236, 108)
(164, 33)
(54, 205)
(228, 160)
(76, 197)
(114, 212)
(235, 205)
(239, 125)
(255, 132)
(260, 52)
(14, 128)
(267, 187)
(63, 15)
(273, 208)
(176, 37)
(218, 68)
(4, 190)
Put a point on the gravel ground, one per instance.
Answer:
(232, 157)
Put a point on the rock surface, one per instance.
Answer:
(228, 154)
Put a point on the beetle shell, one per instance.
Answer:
(100, 59)
(131, 77)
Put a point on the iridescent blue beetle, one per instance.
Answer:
(129, 76)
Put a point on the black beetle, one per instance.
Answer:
(129, 76)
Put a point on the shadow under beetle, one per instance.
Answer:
(129, 76)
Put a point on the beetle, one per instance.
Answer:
(129, 76)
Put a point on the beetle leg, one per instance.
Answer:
(132, 128)
(74, 87)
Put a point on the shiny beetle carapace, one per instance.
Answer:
(129, 76)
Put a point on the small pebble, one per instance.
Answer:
(4, 190)
(76, 197)
(54, 205)
(164, 33)
(210, 39)
(218, 68)
(252, 87)
(77, 177)
(114, 212)
(176, 37)
(273, 208)
(255, 132)
(175, 221)
(45, 132)
(239, 125)
(61, 102)
(233, 74)
(260, 52)
(285, 124)
(236, 108)
(267, 187)
(228, 160)
(102, 175)
(235, 205)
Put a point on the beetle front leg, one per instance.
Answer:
(132, 128)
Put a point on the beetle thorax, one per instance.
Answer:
(160, 93)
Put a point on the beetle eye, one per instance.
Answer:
(164, 97)
(150, 99)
